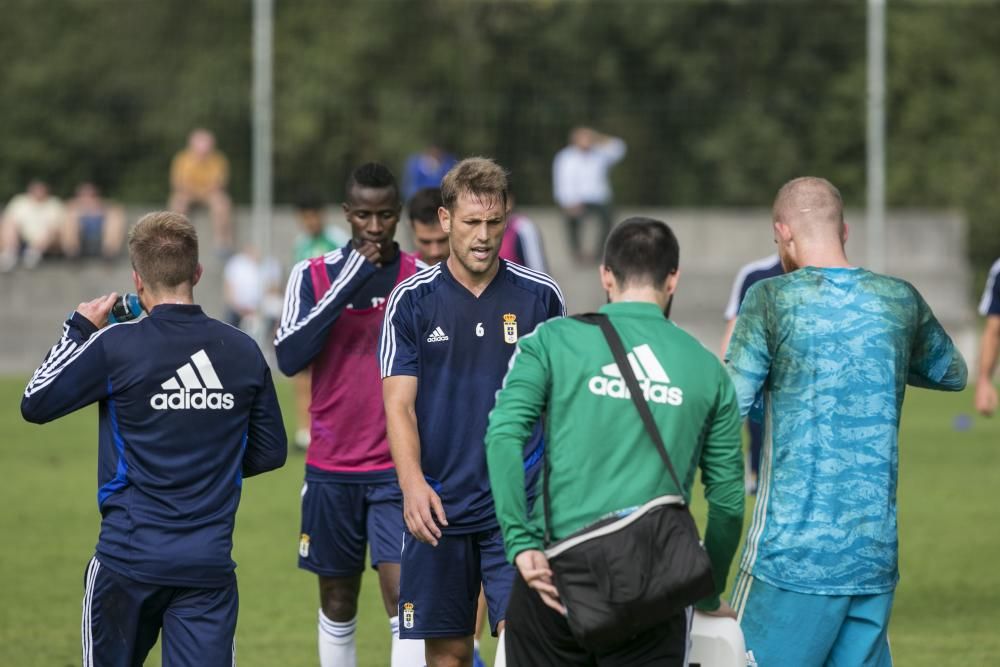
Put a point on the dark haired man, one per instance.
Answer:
(601, 460)
(448, 336)
(334, 306)
(431, 241)
(187, 410)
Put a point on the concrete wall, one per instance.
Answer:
(925, 247)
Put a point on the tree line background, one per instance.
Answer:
(720, 102)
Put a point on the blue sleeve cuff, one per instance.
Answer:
(82, 324)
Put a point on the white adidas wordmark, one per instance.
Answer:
(437, 336)
(653, 380)
(193, 392)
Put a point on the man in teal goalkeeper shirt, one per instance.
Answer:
(832, 347)
(601, 459)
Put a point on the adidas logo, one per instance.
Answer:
(653, 380)
(192, 392)
(437, 336)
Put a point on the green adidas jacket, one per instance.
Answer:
(601, 458)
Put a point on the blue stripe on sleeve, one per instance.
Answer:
(120, 480)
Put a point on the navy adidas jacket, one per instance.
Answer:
(187, 409)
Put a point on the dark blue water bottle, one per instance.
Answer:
(126, 308)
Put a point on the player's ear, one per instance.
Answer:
(844, 233)
(137, 281)
(671, 284)
(444, 217)
(197, 275)
(782, 232)
(608, 282)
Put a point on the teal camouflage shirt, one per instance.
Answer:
(832, 351)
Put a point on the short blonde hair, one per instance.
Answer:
(163, 247)
(478, 176)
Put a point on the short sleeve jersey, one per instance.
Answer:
(990, 303)
(833, 350)
(459, 346)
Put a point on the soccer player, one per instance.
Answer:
(187, 410)
(334, 306)
(448, 336)
(430, 239)
(832, 346)
(760, 269)
(989, 344)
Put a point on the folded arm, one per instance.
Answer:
(306, 319)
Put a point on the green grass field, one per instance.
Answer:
(947, 608)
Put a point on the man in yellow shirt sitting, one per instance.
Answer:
(199, 174)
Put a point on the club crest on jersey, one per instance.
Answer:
(510, 328)
(408, 615)
(304, 545)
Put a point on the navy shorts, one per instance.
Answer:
(122, 619)
(439, 586)
(340, 518)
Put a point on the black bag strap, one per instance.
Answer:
(621, 358)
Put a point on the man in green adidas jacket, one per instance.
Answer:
(601, 458)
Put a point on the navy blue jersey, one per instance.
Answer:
(749, 274)
(458, 346)
(187, 409)
(990, 303)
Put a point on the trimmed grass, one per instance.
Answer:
(946, 610)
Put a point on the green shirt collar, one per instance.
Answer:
(633, 309)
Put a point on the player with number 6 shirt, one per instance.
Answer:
(448, 336)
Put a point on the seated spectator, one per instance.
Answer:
(199, 175)
(430, 240)
(426, 169)
(252, 292)
(32, 221)
(94, 226)
(317, 237)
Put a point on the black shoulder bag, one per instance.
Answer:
(626, 574)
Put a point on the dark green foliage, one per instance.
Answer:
(720, 102)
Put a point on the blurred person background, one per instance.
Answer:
(199, 175)
(94, 227)
(425, 169)
(429, 240)
(252, 288)
(581, 185)
(32, 226)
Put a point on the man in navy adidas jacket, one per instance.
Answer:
(187, 409)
